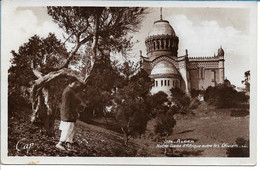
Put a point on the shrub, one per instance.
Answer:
(195, 93)
(180, 100)
(130, 107)
(242, 149)
(223, 96)
(239, 113)
(194, 104)
(164, 125)
(131, 117)
(16, 102)
(157, 103)
(165, 121)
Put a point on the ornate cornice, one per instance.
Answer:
(168, 75)
(205, 58)
(204, 64)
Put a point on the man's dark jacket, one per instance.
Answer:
(68, 106)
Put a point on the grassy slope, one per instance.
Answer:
(211, 126)
(91, 140)
(207, 126)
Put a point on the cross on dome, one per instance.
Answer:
(160, 13)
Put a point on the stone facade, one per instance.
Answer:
(169, 70)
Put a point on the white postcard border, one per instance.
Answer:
(127, 160)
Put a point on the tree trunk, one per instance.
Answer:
(49, 121)
(42, 110)
(126, 135)
(126, 139)
(90, 64)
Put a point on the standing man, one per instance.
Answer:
(68, 115)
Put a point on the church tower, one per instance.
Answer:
(162, 44)
(168, 70)
(221, 65)
(161, 40)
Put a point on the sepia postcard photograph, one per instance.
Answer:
(128, 83)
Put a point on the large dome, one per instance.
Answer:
(164, 67)
(161, 27)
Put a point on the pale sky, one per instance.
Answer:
(203, 30)
(200, 30)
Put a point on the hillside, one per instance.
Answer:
(91, 140)
(206, 126)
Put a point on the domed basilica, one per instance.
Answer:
(169, 70)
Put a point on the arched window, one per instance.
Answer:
(171, 41)
(156, 83)
(161, 82)
(177, 83)
(168, 82)
(165, 82)
(162, 43)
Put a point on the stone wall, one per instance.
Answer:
(202, 78)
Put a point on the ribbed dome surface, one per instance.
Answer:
(161, 27)
(164, 67)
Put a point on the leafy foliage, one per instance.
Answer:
(224, 96)
(195, 93)
(180, 100)
(37, 53)
(130, 107)
(242, 149)
(91, 30)
(157, 103)
(165, 120)
(246, 81)
(165, 124)
(114, 24)
(102, 82)
(132, 117)
(162, 112)
(127, 70)
(239, 113)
